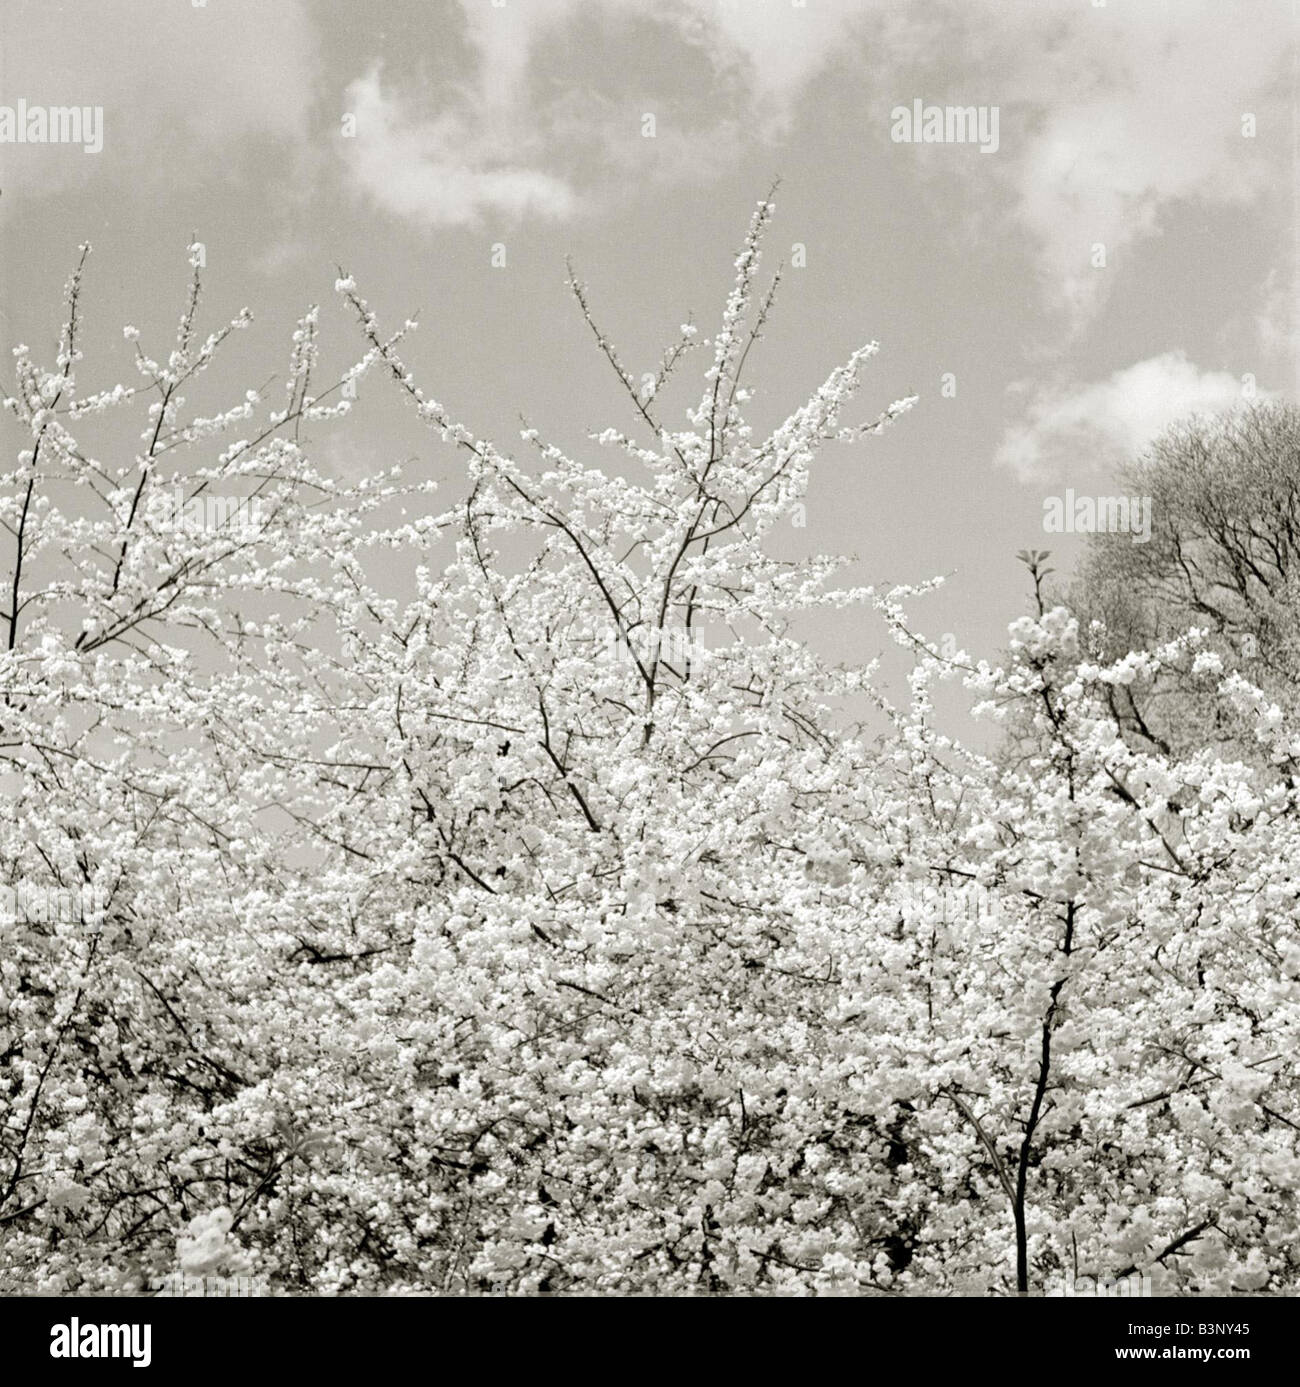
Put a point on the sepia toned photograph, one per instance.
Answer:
(649, 651)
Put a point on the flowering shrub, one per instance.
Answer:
(443, 952)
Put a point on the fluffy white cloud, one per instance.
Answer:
(443, 170)
(490, 146)
(1097, 426)
(1127, 108)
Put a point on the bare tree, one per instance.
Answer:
(1224, 555)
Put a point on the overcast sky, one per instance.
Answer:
(406, 139)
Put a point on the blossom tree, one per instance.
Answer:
(551, 930)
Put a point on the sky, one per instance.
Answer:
(1126, 251)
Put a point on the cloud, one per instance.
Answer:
(505, 37)
(1277, 322)
(1109, 115)
(442, 170)
(1137, 107)
(777, 47)
(180, 85)
(503, 142)
(1096, 427)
